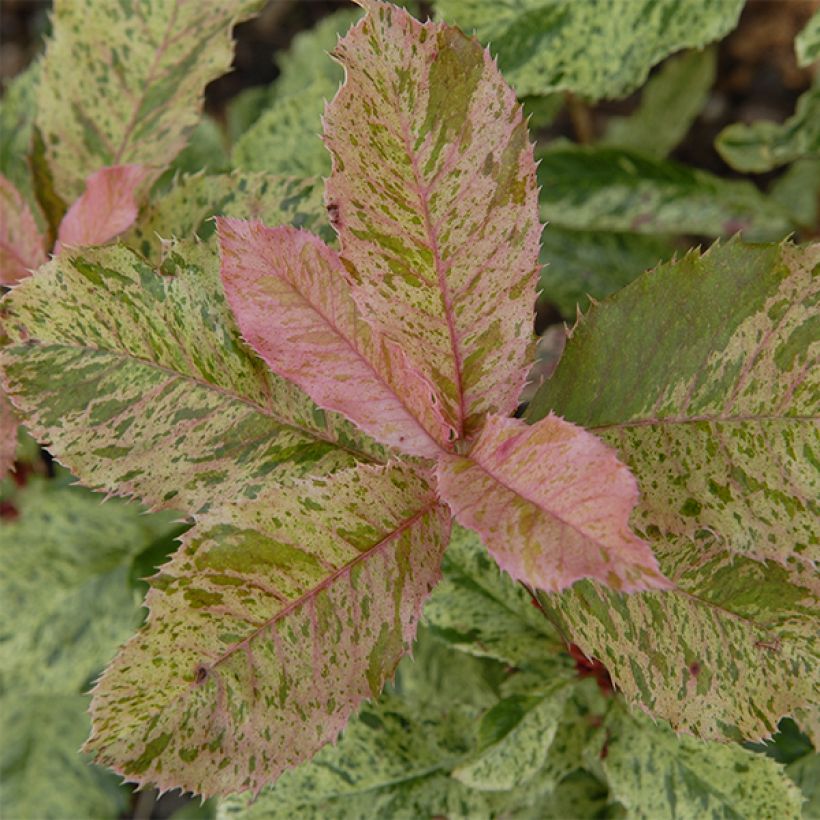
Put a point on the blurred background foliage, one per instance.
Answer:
(651, 139)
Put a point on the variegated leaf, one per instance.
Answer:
(654, 773)
(140, 383)
(266, 630)
(107, 207)
(122, 82)
(22, 245)
(8, 436)
(433, 194)
(552, 504)
(186, 209)
(293, 305)
(17, 110)
(807, 43)
(717, 419)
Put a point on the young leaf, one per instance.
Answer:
(268, 628)
(143, 75)
(186, 209)
(595, 51)
(626, 191)
(654, 773)
(292, 302)
(107, 207)
(717, 419)
(22, 246)
(670, 102)
(552, 504)
(141, 385)
(64, 565)
(434, 198)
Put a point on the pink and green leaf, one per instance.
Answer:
(433, 194)
(293, 304)
(552, 504)
(268, 628)
(22, 246)
(108, 206)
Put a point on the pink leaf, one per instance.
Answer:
(8, 436)
(22, 246)
(434, 196)
(106, 208)
(552, 504)
(292, 301)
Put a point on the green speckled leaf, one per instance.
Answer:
(64, 583)
(596, 48)
(609, 189)
(17, 108)
(480, 610)
(717, 420)
(267, 629)
(140, 384)
(656, 774)
(764, 145)
(807, 43)
(143, 72)
(187, 208)
(670, 102)
(42, 774)
(433, 194)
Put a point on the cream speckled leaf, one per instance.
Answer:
(655, 774)
(122, 82)
(717, 419)
(596, 48)
(186, 209)
(267, 629)
(551, 503)
(292, 302)
(433, 194)
(140, 384)
(64, 583)
(22, 246)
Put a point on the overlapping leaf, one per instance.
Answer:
(270, 627)
(17, 109)
(293, 304)
(590, 48)
(610, 189)
(718, 421)
(433, 195)
(22, 245)
(142, 73)
(140, 384)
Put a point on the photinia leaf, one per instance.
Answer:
(107, 207)
(654, 773)
(143, 75)
(589, 48)
(186, 209)
(433, 195)
(140, 384)
(22, 246)
(717, 419)
(293, 305)
(552, 504)
(270, 627)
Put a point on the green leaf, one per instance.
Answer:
(141, 385)
(805, 772)
(143, 78)
(764, 145)
(64, 581)
(43, 776)
(798, 190)
(670, 102)
(188, 208)
(582, 264)
(655, 773)
(268, 628)
(590, 48)
(206, 150)
(479, 610)
(17, 108)
(717, 420)
(807, 43)
(609, 189)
